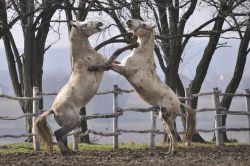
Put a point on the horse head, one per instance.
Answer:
(88, 28)
(140, 28)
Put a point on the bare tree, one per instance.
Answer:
(26, 68)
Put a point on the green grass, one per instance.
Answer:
(15, 148)
(28, 147)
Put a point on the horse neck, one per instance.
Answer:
(80, 46)
(146, 45)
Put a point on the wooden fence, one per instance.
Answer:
(118, 111)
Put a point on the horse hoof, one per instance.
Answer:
(66, 153)
(172, 153)
(73, 152)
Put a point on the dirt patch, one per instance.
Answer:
(195, 155)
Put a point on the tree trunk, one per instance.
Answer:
(29, 36)
(84, 127)
(202, 67)
(238, 72)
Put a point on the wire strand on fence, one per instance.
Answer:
(234, 94)
(47, 93)
(209, 109)
(205, 110)
(98, 93)
(89, 131)
(119, 90)
(235, 113)
(95, 116)
(236, 129)
(137, 109)
(16, 136)
(20, 98)
(18, 117)
(201, 94)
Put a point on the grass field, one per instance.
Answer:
(28, 147)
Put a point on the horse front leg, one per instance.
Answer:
(123, 70)
(96, 67)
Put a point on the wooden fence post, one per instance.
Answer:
(187, 95)
(218, 118)
(115, 119)
(188, 102)
(36, 145)
(247, 92)
(75, 142)
(153, 128)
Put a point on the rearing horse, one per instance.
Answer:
(140, 70)
(78, 91)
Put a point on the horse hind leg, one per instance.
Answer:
(173, 135)
(168, 122)
(61, 138)
(65, 142)
(172, 138)
(168, 135)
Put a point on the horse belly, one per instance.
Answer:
(146, 90)
(88, 88)
(150, 96)
(79, 90)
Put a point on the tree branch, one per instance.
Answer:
(184, 43)
(160, 59)
(112, 40)
(186, 16)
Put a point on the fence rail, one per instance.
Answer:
(118, 111)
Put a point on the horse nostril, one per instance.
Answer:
(100, 24)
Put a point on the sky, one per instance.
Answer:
(57, 57)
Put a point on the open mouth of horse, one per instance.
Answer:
(100, 26)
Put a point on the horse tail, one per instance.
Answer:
(191, 123)
(43, 130)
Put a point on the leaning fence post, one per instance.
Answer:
(218, 118)
(153, 128)
(115, 119)
(36, 144)
(247, 92)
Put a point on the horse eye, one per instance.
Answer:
(144, 25)
(85, 25)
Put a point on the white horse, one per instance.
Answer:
(140, 70)
(78, 91)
